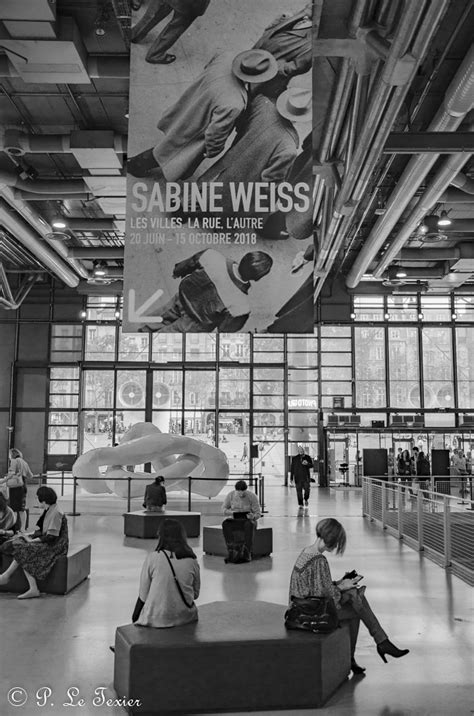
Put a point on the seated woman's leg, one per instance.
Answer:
(4, 578)
(33, 590)
(354, 603)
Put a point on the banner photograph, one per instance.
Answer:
(219, 174)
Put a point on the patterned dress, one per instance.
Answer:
(311, 576)
(38, 558)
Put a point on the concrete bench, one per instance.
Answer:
(213, 541)
(237, 657)
(145, 524)
(69, 571)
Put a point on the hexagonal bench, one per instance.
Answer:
(237, 657)
(69, 571)
(213, 541)
(145, 524)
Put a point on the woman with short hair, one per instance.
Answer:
(15, 480)
(170, 581)
(311, 577)
(37, 553)
(8, 520)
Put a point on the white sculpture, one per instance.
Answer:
(176, 457)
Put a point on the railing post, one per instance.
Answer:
(189, 494)
(400, 510)
(384, 498)
(371, 497)
(74, 488)
(419, 506)
(129, 493)
(62, 483)
(447, 532)
(262, 492)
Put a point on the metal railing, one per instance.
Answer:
(438, 524)
(256, 483)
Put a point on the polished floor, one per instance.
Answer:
(56, 648)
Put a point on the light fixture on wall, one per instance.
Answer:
(444, 219)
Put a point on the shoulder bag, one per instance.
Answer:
(316, 614)
(177, 583)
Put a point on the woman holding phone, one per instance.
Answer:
(311, 576)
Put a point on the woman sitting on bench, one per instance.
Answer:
(170, 581)
(311, 577)
(8, 520)
(38, 552)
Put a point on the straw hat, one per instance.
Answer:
(295, 104)
(254, 66)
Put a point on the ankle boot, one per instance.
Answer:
(386, 647)
(143, 164)
(355, 668)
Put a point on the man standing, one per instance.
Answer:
(213, 292)
(266, 144)
(301, 465)
(198, 125)
(184, 14)
(289, 39)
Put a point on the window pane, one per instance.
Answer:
(200, 389)
(335, 331)
(167, 347)
(200, 346)
(234, 347)
(336, 359)
(234, 388)
(404, 367)
(65, 373)
(101, 308)
(98, 388)
(133, 346)
(66, 343)
(464, 307)
(167, 389)
(131, 389)
(100, 342)
(465, 366)
(63, 401)
(438, 368)
(274, 402)
(267, 420)
(268, 374)
(436, 308)
(336, 373)
(268, 350)
(402, 308)
(63, 418)
(335, 344)
(368, 308)
(370, 367)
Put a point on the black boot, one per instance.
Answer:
(355, 668)
(143, 164)
(386, 647)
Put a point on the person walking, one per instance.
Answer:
(184, 13)
(301, 465)
(198, 125)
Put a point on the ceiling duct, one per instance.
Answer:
(457, 102)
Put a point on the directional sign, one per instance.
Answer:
(137, 314)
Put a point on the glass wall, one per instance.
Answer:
(399, 360)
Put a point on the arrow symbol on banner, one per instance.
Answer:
(138, 314)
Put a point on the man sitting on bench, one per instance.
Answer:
(244, 510)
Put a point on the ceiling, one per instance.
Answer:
(392, 143)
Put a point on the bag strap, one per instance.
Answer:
(177, 583)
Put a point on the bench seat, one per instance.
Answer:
(237, 657)
(145, 524)
(69, 571)
(213, 541)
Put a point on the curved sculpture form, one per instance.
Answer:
(174, 456)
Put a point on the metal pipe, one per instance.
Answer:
(429, 254)
(456, 196)
(98, 66)
(463, 182)
(23, 233)
(84, 224)
(17, 143)
(41, 186)
(448, 118)
(51, 196)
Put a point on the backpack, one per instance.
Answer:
(237, 553)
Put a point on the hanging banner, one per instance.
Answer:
(219, 175)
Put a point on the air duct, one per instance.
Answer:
(17, 143)
(97, 252)
(98, 67)
(458, 101)
(464, 183)
(23, 233)
(39, 186)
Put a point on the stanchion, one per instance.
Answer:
(262, 490)
(189, 494)
(471, 507)
(74, 489)
(129, 494)
(62, 483)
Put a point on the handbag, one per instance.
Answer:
(316, 614)
(15, 480)
(177, 583)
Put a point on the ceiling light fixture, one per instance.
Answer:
(59, 222)
(401, 273)
(83, 314)
(444, 219)
(99, 268)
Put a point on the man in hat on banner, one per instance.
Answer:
(289, 39)
(266, 144)
(198, 125)
(184, 14)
